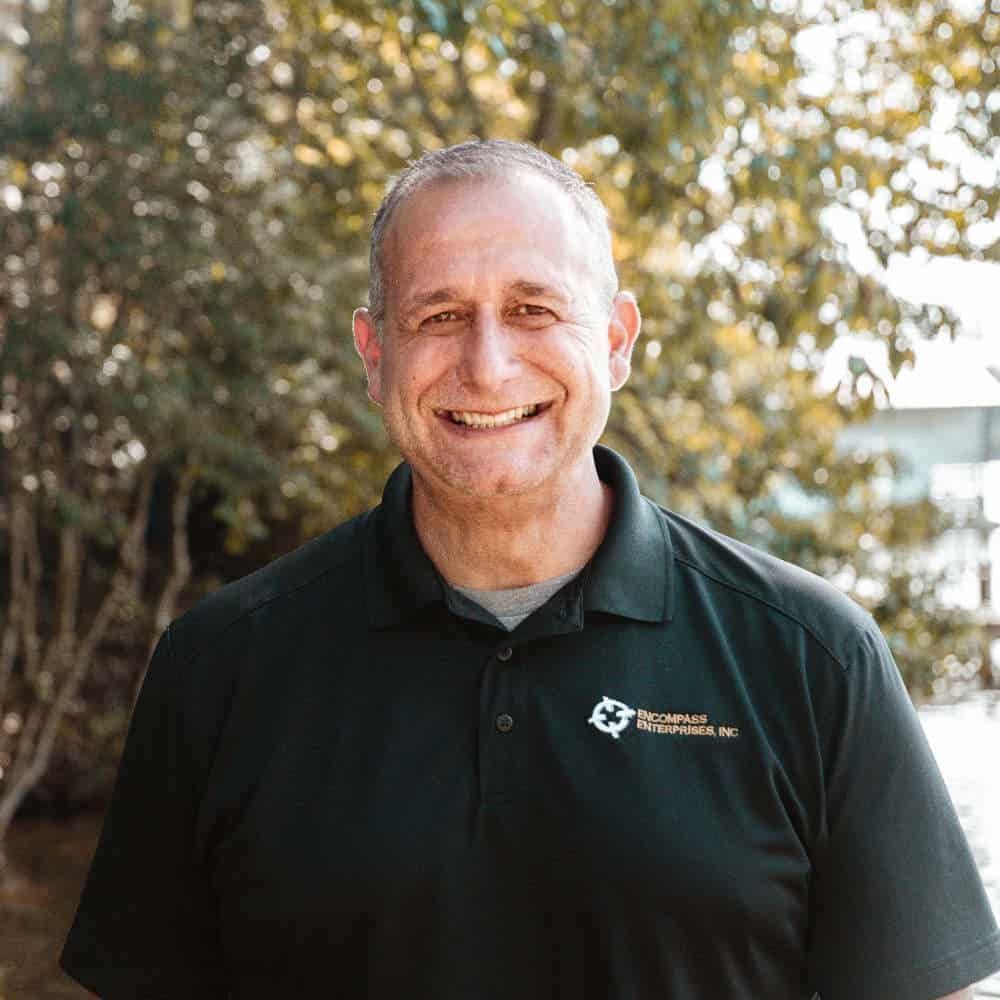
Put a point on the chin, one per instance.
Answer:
(497, 486)
(492, 482)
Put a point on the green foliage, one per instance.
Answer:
(719, 157)
(186, 235)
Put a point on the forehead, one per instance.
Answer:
(463, 232)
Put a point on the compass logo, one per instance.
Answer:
(611, 716)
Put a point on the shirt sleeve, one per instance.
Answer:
(898, 907)
(146, 926)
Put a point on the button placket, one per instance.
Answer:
(504, 721)
(498, 727)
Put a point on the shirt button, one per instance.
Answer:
(505, 654)
(505, 723)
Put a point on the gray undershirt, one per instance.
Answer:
(511, 607)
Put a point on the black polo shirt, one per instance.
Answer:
(693, 773)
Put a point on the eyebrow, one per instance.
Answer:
(439, 295)
(433, 298)
(533, 289)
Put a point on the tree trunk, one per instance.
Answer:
(13, 622)
(68, 660)
(180, 569)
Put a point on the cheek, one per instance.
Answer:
(586, 372)
(421, 367)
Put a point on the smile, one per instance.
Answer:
(485, 421)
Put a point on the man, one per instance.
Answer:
(518, 732)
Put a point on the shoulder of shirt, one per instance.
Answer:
(295, 575)
(776, 587)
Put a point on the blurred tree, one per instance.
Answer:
(146, 334)
(186, 193)
(762, 162)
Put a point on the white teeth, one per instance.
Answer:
(472, 419)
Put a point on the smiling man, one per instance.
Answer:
(518, 732)
(493, 351)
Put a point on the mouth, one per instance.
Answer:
(479, 420)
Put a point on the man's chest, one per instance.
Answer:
(581, 775)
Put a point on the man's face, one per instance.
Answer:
(499, 351)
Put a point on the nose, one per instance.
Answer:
(489, 353)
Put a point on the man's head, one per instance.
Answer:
(501, 334)
(492, 162)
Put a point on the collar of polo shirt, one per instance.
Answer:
(630, 575)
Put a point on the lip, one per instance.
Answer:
(444, 415)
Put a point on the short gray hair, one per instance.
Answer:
(486, 159)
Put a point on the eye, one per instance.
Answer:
(530, 309)
(448, 316)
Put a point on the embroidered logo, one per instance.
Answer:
(614, 717)
(611, 716)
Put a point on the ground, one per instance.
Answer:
(47, 863)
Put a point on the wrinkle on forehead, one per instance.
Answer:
(428, 223)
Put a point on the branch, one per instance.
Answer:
(180, 570)
(546, 119)
(70, 571)
(133, 548)
(32, 581)
(26, 773)
(438, 126)
(9, 642)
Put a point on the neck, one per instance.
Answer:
(502, 542)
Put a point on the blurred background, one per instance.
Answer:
(805, 201)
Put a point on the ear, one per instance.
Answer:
(368, 345)
(623, 329)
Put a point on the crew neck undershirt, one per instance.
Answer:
(511, 606)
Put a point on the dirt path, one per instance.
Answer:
(48, 862)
